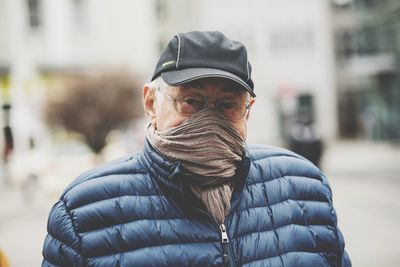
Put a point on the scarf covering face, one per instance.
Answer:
(209, 149)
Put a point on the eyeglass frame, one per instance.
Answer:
(176, 99)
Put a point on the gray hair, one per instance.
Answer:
(159, 84)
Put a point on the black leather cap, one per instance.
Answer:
(204, 54)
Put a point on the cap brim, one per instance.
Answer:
(179, 77)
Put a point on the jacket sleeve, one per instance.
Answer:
(345, 259)
(62, 243)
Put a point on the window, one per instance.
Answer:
(291, 38)
(346, 44)
(79, 13)
(342, 3)
(369, 3)
(161, 9)
(34, 13)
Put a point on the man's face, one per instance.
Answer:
(163, 111)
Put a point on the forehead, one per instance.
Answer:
(214, 85)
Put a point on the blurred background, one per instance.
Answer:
(327, 79)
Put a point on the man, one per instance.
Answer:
(197, 195)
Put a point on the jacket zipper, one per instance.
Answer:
(224, 235)
(228, 256)
(228, 253)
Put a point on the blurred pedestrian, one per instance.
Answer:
(197, 195)
(8, 147)
(8, 135)
(304, 140)
(30, 188)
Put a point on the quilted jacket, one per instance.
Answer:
(137, 211)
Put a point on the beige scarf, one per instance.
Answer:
(209, 149)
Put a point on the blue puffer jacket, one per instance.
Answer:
(138, 211)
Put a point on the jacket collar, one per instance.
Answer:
(164, 171)
(170, 176)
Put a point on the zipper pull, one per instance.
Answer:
(224, 234)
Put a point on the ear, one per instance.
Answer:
(252, 100)
(148, 103)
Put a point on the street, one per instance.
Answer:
(23, 226)
(365, 179)
(369, 217)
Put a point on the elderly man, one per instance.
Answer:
(197, 195)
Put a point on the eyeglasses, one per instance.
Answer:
(231, 109)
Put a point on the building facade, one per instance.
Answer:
(290, 48)
(44, 41)
(289, 43)
(367, 41)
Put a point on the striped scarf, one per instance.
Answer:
(209, 149)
